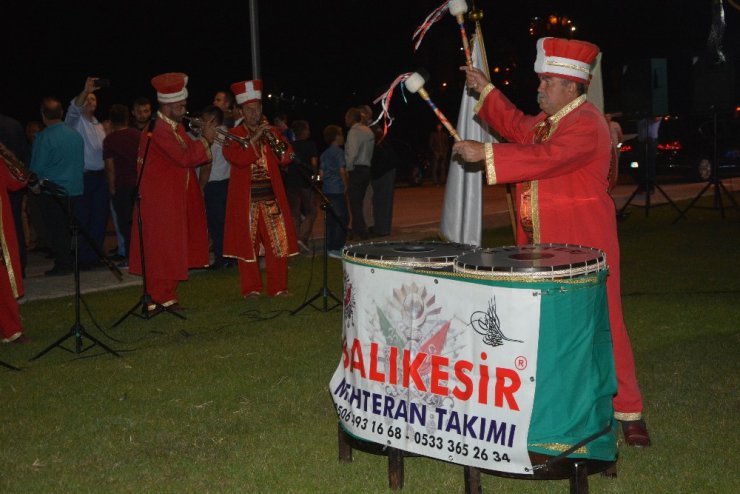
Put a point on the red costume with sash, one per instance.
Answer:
(561, 169)
(11, 279)
(172, 209)
(257, 212)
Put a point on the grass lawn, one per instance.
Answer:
(236, 399)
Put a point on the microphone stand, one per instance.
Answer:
(141, 309)
(649, 182)
(324, 292)
(714, 181)
(77, 331)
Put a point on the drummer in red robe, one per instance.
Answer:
(11, 280)
(257, 212)
(172, 209)
(560, 161)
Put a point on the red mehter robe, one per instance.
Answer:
(172, 208)
(10, 264)
(238, 240)
(569, 200)
(8, 236)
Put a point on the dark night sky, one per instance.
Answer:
(331, 53)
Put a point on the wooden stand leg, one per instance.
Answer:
(345, 449)
(579, 478)
(395, 469)
(610, 472)
(472, 480)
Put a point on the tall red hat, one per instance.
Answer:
(247, 91)
(171, 87)
(567, 58)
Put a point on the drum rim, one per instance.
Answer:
(561, 271)
(411, 260)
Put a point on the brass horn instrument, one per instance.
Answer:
(278, 147)
(196, 127)
(17, 168)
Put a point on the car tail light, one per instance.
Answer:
(625, 148)
(670, 146)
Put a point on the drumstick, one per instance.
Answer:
(415, 84)
(457, 9)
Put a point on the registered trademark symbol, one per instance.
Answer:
(520, 362)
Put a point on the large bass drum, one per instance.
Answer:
(575, 364)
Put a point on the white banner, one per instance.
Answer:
(438, 367)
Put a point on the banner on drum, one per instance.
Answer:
(439, 367)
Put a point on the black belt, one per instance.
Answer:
(262, 190)
(94, 172)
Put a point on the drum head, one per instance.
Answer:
(408, 254)
(536, 262)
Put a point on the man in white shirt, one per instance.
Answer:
(214, 180)
(358, 153)
(93, 206)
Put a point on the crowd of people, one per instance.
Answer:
(250, 185)
(210, 186)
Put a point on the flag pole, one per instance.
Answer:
(476, 15)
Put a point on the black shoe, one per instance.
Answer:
(636, 433)
(58, 271)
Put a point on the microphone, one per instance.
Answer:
(151, 123)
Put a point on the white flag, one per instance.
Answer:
(462, 210)
(595, 92)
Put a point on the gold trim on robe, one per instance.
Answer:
(482, 96)
(490, 164)
(6, 255)
(627, 417)
(583, 450)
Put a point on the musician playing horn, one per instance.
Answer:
(560, 160)
(172, 211)
(257, 211)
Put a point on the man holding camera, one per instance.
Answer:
(93, 207)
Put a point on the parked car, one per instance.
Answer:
(685, 149)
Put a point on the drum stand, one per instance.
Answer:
(77, 331)
(715, 181)
(324, 292)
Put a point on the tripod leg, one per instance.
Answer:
(8, 366)
(693, 201)
(629, 200)
(729, 194)
(670, 201)
(132, 312)
(57, 343)
(96, 342)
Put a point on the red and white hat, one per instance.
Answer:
(171, 87)
(247, 91)
(567, 58)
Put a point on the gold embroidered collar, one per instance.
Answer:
(167, 120)
(553, 120)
